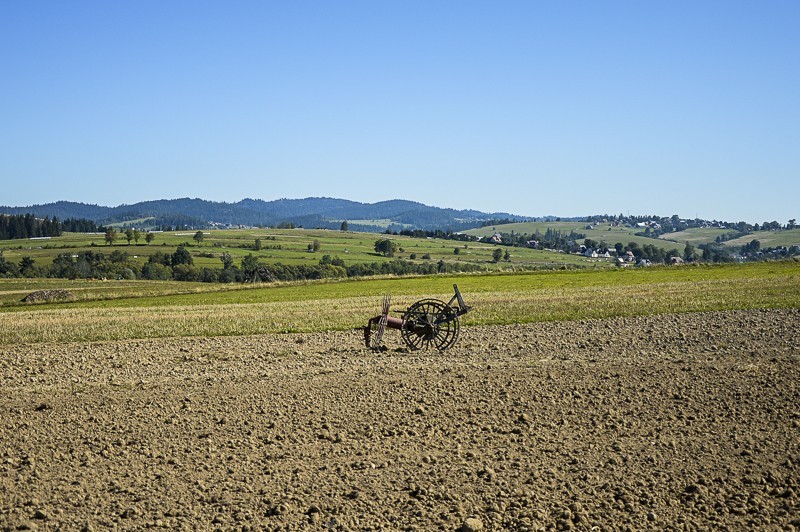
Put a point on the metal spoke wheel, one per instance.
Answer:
(430, 322)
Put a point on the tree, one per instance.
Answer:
(249, 265)
(688, 253)
(257, 245)
(26, 266)
(155, 271)
(136, 236)
(497, 254)
(159, 257)
(227, 261)
(751, 247)
(386, 247)
(7, 269)
(185, 272)
(198, 237)
(149, 237)
(63, 267)
(129, 235)
(118, 256)
(456, 250)
(345, 226)
(111, 236)
(227, 276)
(507, 256)
(181, 256)
(791, 224)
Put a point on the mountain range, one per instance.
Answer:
(309, 212)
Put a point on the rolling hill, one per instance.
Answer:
(309, 212)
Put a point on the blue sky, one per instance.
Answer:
(535, 107)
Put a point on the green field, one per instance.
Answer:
(698, 235)
(676, 240)
(113, 310)
(769, 239)
(599, 232)
(287, 246)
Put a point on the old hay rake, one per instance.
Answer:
(427, 323)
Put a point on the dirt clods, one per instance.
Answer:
(44, 296)
(664, 422)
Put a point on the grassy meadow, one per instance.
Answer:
(769, 239)
(287, 246)
(605, 232)
(113, 310)
(599, 232)
(291, 246)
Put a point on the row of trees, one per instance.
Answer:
(85, 265)
(16, 226)
(550, 239)
(668, 224)
(28, 226)
(179, 266)
(130, 234)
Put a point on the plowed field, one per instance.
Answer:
(656, 422)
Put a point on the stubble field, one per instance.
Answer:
(661, 422)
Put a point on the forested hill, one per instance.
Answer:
(308, 212)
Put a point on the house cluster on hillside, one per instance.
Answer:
(220, 225)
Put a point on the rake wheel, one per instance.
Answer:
(430, 323)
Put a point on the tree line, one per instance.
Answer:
(17, 226)
(180, 266)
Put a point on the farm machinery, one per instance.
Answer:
(426, 323)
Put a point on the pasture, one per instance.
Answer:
(288, 246)
(769, 239)
(603, 232)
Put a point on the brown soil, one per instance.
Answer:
(653, 422)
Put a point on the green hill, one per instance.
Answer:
(287, 246)
(769, 239)
(604, 232)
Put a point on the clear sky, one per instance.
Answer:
(532, 107)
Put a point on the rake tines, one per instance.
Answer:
(373, 333)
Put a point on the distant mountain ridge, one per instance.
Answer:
(308, 212)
